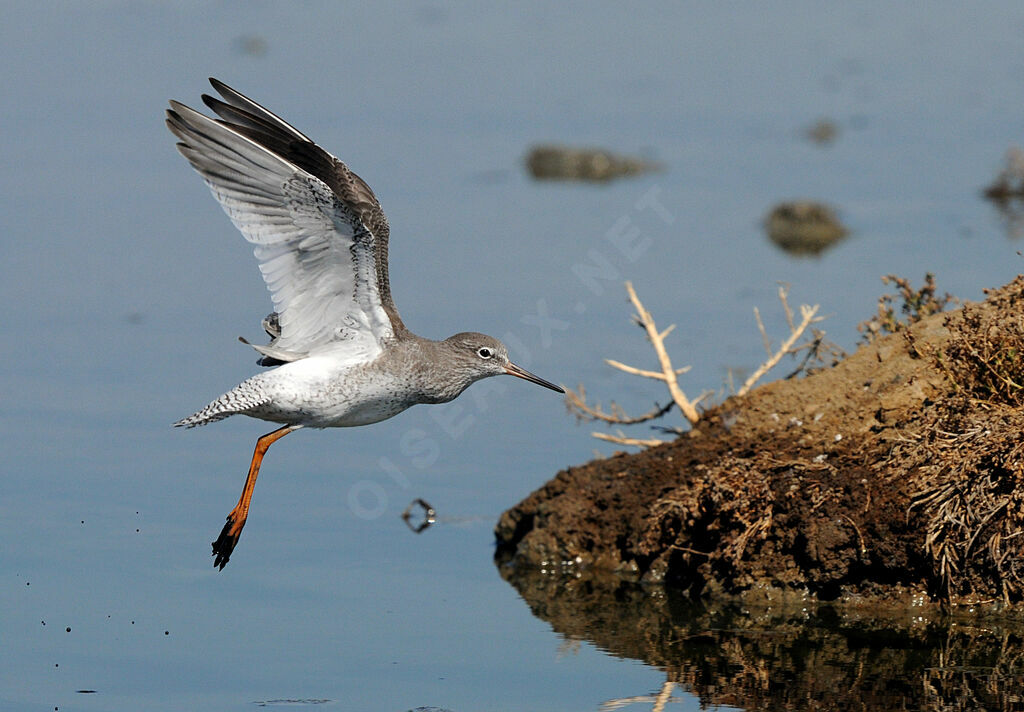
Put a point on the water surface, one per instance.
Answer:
(125, 288)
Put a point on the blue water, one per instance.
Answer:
(125, 288)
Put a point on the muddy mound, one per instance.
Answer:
(899, 473)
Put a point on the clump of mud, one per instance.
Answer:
(804, 227)
(822, 132)
(554, 162)
(897, 474)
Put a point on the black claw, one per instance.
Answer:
(224, 545)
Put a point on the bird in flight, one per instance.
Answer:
(341, 355)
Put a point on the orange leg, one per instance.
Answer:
(228, 538)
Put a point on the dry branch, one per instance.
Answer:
(576, 401)
(668, 372)
(808, 316)
(622, 439)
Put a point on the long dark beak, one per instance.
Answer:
(513, 370)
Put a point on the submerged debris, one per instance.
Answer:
(292, 701)
(822, 132)
(1010, 181)
(1007, 192)
(803, 227)
(552, 162)
(251, 45)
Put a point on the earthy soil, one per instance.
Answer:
(896, 474)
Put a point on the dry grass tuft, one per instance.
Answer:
(985, 356)
(971, 453)
(915, 305)
(972, 501)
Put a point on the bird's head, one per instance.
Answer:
(480, 356)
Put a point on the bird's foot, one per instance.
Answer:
(227, 540)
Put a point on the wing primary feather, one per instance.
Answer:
(238, 99)
(240, 118)
(195, 128)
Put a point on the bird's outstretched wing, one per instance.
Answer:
(317, 229)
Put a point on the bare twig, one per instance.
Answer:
(808, 316)
(764, 334)
(668, 372)
(641, 372)
(621, 438)
(576, 402)
(860, 537)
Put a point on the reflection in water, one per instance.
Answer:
(658, 701)
(428, 512)
(793, 657)
(1011, 214)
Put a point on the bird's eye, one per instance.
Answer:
(484, 352)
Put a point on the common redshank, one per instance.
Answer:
(341, 353)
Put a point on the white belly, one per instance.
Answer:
(316, 393)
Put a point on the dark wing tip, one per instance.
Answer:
(178, 126)
(227, 93)
(175, 124)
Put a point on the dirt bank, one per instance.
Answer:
(896, 474)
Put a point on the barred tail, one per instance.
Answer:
(239, 400)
